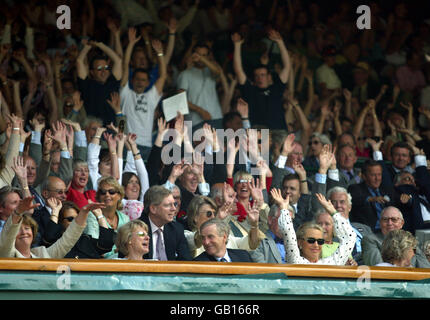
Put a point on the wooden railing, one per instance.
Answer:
(125, 266)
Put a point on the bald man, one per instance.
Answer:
(391, 219)
(52, 187)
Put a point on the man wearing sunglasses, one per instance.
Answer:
(391, 219)
(99, 81)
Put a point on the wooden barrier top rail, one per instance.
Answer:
(194, 267)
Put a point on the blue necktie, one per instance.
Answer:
(37, 197)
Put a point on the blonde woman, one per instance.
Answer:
(110, 193)
(398, 249)
(306, 246)
(132, 240)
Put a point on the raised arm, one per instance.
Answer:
(158, 48)
(81, 66)
(117, 61)
(286, 61)
(237, 58)
(132, 40)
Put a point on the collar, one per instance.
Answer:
(226, 256)
(154, 228)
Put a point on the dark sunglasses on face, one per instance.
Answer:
(111, 192)
(99, 68)
(70, 219)
(210, 213)
(312, 241)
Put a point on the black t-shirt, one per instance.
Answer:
(265, 105)
(94, 94)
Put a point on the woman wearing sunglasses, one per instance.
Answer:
(306, 246)
(20, 230)
(62, 216)
(202, 209)
(132, 240)
(110, 193)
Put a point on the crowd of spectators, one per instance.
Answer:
(85, 141)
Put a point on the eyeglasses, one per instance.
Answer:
(312, 241)
(60, 192)
(141, 234)
(314, 142)
(100, 68)
(111, 192)
(393, 219)
(70, 219)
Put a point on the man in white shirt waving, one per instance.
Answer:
(136, 104)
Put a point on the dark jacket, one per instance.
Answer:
(236, 255)
(174, 240)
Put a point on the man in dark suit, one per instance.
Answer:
(214, 234)
(346, 160)
(415, 195)
(369, 198)
(391, 219)
(401, 156)
(52, 187)
(167, 236)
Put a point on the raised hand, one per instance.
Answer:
(111, 142)
(326, 204)
(157, 46)
(253, 212)
(274, 35)
(54, 203)
(279, 200)
(242, 108)
(115, 102)
(236, 38)
(287, 148)
(20, 168)
(256, 190)
(376, 146)
(25, 205)
(132, 36)
(299, 169)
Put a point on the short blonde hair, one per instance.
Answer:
(301, 231)
(111, 181)
(396, 244)
(125, 232)
(241, 175)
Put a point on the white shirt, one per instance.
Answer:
(154, 237)
(201, 90)
(139, 109)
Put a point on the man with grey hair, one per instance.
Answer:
(391, 219)
(214, 235)
(271, 248)
(342, 202)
